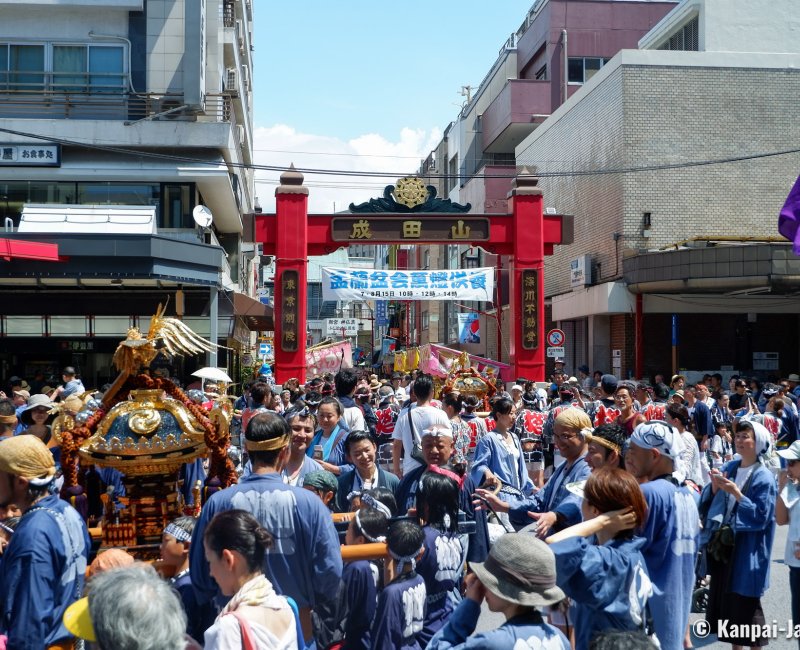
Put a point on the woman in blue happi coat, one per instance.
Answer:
(741, 495)
(498, 455)
(599, 563)
(332, 431)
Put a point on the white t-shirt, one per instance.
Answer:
(791, 498)
(354, 419)
(424, 417)
(690, 457)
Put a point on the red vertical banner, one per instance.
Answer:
(291, 277)
(527, 292)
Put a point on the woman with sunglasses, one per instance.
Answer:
(737, 507)
(787, 511)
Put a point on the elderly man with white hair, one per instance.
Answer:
(671, 529)
(131, 608)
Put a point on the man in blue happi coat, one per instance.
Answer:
(43, 567)
(305, 562)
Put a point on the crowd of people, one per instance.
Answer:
(586, 511)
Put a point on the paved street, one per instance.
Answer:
(776, 603)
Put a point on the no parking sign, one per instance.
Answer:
(555, 338)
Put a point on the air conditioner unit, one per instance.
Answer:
(242, 135)
(232, 82)
(246, 77)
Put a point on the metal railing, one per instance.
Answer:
(36, 101)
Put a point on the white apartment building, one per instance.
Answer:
(117, 119)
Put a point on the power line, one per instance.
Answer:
(393, 175)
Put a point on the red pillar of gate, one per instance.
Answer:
(527, 231)
(291, 251)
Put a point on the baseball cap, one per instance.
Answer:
(660, 436)
(23, 393)
(517, 387)
(609, 383)
(78, 621)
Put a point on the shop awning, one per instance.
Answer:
(28, 250)
(255, 314)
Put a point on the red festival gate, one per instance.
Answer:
(525, 233)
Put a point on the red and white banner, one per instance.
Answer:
(330, 358)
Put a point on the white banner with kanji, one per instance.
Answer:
(385, 284)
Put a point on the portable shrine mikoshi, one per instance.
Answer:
(147, 428)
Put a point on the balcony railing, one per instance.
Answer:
(36, 101)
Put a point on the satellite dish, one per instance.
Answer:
(202, 216)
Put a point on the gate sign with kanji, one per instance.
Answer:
(555, 338)
(411, 213)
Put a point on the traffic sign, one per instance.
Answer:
(555, 339)
(265, 350)
(555, 352)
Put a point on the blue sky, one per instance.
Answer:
(365, 85)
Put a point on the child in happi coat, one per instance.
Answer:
(401, 605)
(369, 525)
(517, 580)
(175, 542)
(442, 564)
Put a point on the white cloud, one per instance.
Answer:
(281, 145)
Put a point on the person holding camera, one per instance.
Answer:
(737, 508)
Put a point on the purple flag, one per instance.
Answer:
(789, 219)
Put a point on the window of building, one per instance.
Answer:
(177, 207)
(452, 174)
(686, 38)
(541, 73)
(581, 69)
(175, 211)
(62, 68)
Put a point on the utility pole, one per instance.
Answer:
(466, 91)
